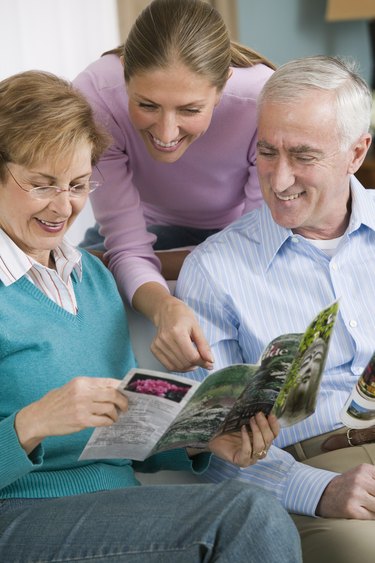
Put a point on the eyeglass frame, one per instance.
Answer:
(92, 185)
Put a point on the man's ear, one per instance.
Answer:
(359, 150)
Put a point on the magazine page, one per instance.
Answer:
(288, 378)
(298, 396)
(359, 409)
(269, 378)
(201, 418)
(154, 400)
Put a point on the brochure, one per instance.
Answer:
(168, 411)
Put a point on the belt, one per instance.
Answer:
(335, 440)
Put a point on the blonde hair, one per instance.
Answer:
(42, 116)
(188, 31)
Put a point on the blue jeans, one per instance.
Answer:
(167, 237)
(227, 523)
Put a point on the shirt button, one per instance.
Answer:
(295, 239)
(353, 323)
(335, 266)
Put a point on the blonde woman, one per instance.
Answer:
(179, 102)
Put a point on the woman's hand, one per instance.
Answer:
(83, 402)
(246, 448)
(179, 344)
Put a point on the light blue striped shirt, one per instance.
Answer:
(256, 280)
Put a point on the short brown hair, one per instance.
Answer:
(44, 116)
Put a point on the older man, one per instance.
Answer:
(269, 273)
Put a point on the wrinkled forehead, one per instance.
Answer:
(296, 125)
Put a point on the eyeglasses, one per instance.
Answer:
(48, 192)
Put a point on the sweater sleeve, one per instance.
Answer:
(117, 206)
(14, 462)
(176, 460)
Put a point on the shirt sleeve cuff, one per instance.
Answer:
(304, 488)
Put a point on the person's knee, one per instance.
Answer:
(261, 522)
(331, 540)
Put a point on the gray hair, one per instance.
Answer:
(353, 99)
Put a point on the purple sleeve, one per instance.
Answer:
(116, 204)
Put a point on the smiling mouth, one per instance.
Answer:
(158, 144)
(288, 197)
(50, 225)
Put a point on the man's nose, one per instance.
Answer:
(282, 176)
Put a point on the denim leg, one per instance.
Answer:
(92, 239)
(226, 523)
(174, 236)
(167, 237)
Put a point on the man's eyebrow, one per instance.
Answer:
(264, 145)
(304, 148)
(298, 149)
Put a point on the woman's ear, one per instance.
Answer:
(359, 149)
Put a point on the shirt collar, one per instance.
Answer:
(363, 206)
(273, 236)
(14, 263)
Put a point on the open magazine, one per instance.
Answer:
(359, 409)
(167, 411)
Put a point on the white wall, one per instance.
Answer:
(60, 36)
(77, 230)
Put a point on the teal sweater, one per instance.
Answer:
(42, 347)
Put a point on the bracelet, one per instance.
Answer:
(348, 437)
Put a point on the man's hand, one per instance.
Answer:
(244, 448)
(350, 495)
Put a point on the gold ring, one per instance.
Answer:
(260, 454)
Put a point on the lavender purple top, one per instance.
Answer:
(213, 183)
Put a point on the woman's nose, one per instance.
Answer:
(61, 203)
(167, 129)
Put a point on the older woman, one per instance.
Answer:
(64, 344)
